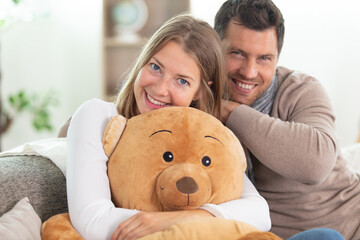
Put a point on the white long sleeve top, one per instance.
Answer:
(91, 210)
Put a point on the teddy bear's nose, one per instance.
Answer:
(187, 185)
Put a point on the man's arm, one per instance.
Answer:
(299, 141)
(227, 107)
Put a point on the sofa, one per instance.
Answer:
(42, 182)
(32, 189)
(35, 177)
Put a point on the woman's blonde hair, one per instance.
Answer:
(199, 40)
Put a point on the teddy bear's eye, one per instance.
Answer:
(206, 161)
(168, 156)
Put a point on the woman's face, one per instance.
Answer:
(170, 78)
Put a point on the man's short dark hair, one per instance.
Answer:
(257, 15)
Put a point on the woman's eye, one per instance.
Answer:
(155, 67)
(183, 82)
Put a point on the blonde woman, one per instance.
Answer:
(181, 65)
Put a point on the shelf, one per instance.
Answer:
(115, 42)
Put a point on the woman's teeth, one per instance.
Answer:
(153, 101)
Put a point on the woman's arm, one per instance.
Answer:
(250, 208)
(145, 223)
(91, 210)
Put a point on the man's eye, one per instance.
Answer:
(183, 81)
(237, 54)
(264, 58)
(155, 67)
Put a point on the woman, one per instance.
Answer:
(181, 65)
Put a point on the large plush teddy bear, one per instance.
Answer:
(169, 159)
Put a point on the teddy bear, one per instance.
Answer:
(173, 158)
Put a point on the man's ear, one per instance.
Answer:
(112, 133)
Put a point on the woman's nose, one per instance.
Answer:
(163, 86)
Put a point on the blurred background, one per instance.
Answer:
(54, 55)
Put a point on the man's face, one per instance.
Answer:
(252, 57)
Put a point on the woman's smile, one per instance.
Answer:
(154, 103)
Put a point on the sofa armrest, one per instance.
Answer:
(34, 177)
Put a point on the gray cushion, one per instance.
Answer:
(34, 177)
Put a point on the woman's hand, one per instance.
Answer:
(144, 223)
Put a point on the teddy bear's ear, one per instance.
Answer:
(112, 134)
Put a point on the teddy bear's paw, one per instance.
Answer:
(59, 227)
(260, 236)
(211, 228)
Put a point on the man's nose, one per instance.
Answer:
(248, 69)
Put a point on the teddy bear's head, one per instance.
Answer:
(172, 158)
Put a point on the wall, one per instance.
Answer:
(62, 52)
(324, 41)
(321, 38)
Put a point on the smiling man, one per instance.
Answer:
(286, 121)
(252, 58)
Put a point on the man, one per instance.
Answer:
(286, 121)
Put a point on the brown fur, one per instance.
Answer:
(260, 236)
(59, 227)
(142, 176)
(192, 137)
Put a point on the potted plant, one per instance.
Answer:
(37, 104)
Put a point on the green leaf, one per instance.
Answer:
(37, 104)
(2, 23)
(19, 101)
(16, 1)
(11, 99)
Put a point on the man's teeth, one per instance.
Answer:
(245, 86)
(153, 101)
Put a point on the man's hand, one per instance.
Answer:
(226, 109)
(144, 223)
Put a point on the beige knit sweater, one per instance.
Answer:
(299, 169)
